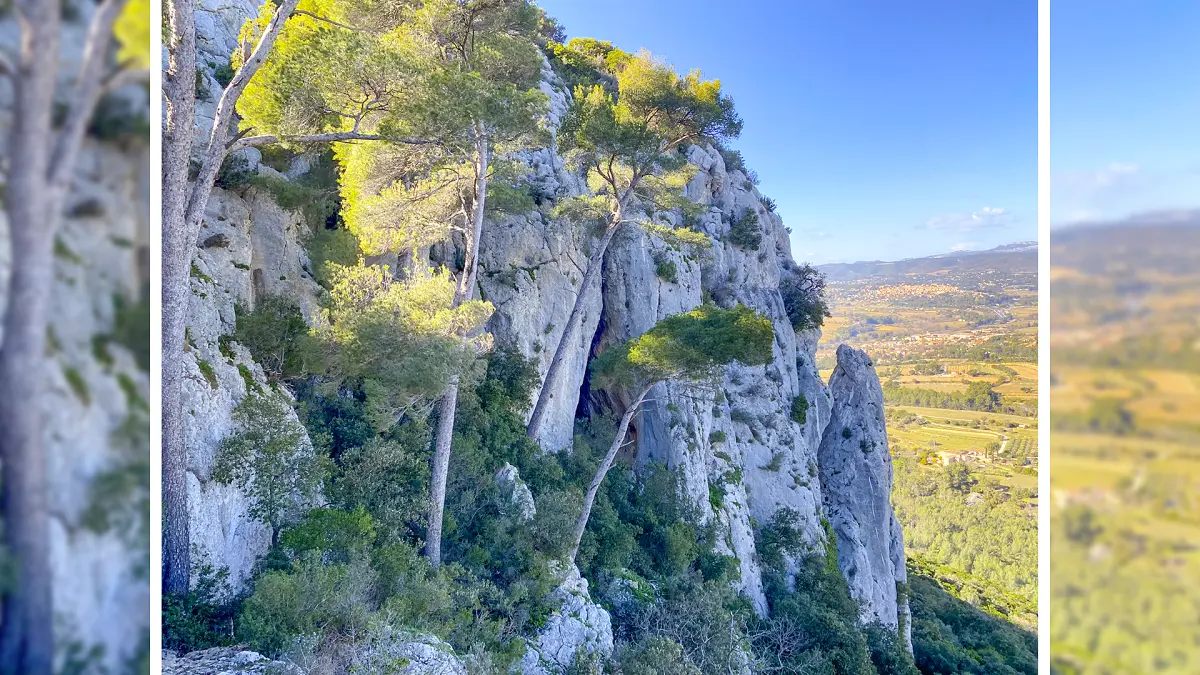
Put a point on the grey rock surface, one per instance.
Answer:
(224, 661)
(856, 476)
(578, 626)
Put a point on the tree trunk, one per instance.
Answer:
(554, 372)
(447, 405)
(590, 499)
(183, 211)
(27, 631)
(440, 471)
(180, 99)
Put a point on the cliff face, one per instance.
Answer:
(856, 476)
(738, 451)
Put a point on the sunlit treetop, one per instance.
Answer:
(691, 345)
(132, 31)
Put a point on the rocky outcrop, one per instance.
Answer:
(578, 626)
(520, 498)
(224, 661)
(856, 476)
(391, 650)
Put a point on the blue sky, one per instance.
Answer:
(1124, 108)
(882, 129)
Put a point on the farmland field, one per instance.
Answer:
(1125, 449)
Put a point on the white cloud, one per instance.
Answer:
(986, 217)
(964, 246)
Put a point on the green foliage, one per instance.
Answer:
(816, 624)
(131, 326)
(268, 460)
(203, 617)
(800, 409)
(120, 495)
(689, 241)
(624, 139)
(77, 384)
(309, 598)
(276, 335)
(803, 290)
(117, 119)
(653, 655)
(745, 232)
(888, 653)
(664, 267)
(986, 550)
(978, 396)
(689, 345)
(586, 62)
(951, 636)
(387, 478)
(401, 340)
(1103, 416)
(210, 375)
(235, 173)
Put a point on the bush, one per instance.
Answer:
(202, 618)
(388, 479)
(234, 173)
(223, 74)
(652, 655)
(277, 336)
(310, 598)
(800, 409)
(803, 291)
(745, 231)
(664, 267)
(888, 652)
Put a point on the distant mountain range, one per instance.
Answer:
(1168, 241)
(1020, 256)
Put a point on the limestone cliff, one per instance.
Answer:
(740, 451)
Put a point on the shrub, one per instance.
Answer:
(387, 478)
(803, 290)
(651, 655)
(800, 409)
(276, 335)
(223, 74)
(745, 231)
(234, 173)
(664, 267)
(339, 535)
(310, 598)
(202, 618)
(268, 459)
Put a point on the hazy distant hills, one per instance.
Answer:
(1166, 241)
(1020, 257)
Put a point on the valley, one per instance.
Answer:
(954, 338)
(1125, 416)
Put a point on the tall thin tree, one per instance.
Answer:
(689, 346)
(625, 142)
(41, 166)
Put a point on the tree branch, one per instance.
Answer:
(88, 89)
(335, 23)
(332, 137)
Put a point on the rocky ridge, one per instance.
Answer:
(739, 453)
